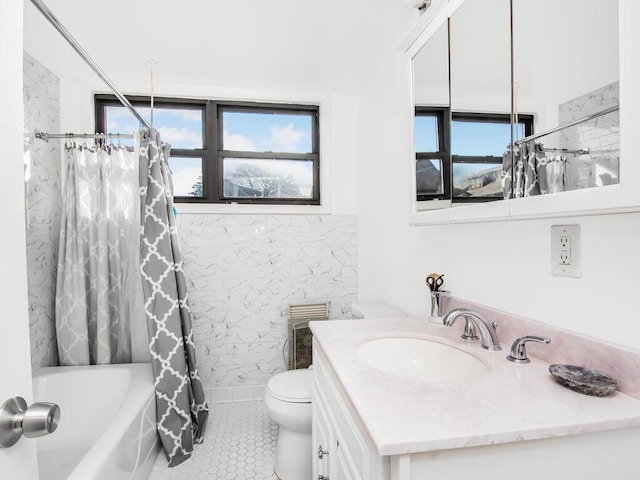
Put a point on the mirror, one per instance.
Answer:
(431, 120)
(566, 67)
(480, 100)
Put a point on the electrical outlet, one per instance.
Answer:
(565, 251)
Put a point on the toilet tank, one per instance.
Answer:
(374, 310)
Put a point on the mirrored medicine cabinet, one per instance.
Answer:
(516, 111)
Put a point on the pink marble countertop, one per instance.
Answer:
(514, 402)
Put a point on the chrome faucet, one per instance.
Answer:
(487, 329)
(518, 350)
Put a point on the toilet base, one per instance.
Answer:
(293, 455)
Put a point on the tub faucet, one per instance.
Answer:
(487, 329)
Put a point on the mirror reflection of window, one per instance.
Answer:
(429, 179)
(479, 143)
(431, 126)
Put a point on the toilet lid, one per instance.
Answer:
(292, 386)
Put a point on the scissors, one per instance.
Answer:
(434, 281)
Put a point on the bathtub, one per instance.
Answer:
(107, 422)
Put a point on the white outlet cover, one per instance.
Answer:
(574, 268)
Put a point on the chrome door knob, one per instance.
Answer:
(16, 419)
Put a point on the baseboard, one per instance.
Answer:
(244, 393)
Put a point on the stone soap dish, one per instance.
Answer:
(584, 381)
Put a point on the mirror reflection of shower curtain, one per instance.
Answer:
(534, 171)
(555, 173)
(98, 319)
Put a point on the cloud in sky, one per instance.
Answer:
(184, 179)
(288, 139)
(236, 141)
(121, 118)
(183, 129)
(181, 137)
(280, 139)
(193, 116)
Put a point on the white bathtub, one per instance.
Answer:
(107, 422)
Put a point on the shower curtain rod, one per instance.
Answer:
(46, 136)
(48, 14)
(567, 125)
(581, 151)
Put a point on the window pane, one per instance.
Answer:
(426, 132)
(186, 173)
(429, 179)
(479, 138)
(273, 178)
(477, 179)
(179, 127)
(267, 132)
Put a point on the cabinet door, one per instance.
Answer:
(342, 471)
(321, 443)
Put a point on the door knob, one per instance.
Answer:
(16, 419)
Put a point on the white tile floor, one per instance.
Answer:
(239, 444)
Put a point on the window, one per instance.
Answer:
(433, 160)
(230, 152)
(470, 170)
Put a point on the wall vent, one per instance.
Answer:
(300, 336)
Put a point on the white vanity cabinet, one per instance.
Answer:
(344, 450)
(341, 446)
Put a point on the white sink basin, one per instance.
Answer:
(421, 359)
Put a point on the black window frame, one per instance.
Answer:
(442, 115)
(446, 116)
(212, 153)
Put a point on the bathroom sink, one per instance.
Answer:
(421, 359)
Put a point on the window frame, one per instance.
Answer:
(443, 115)
(212, 153)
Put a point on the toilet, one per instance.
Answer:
(288, 401)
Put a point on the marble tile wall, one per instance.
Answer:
(601, 136)
(42, 187)
(243, 272)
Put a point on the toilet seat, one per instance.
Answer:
(293, 386)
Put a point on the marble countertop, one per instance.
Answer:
(514, 402)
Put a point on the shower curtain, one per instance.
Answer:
(98, 278)
(181, 407)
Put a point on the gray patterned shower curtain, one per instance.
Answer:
(181, 407)
(98, 292)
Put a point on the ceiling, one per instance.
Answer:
(307, 44)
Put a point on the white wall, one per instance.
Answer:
(500, 264)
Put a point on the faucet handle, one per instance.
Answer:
(469, 329)
(518, 350)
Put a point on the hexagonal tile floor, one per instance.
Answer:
(239, 444)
